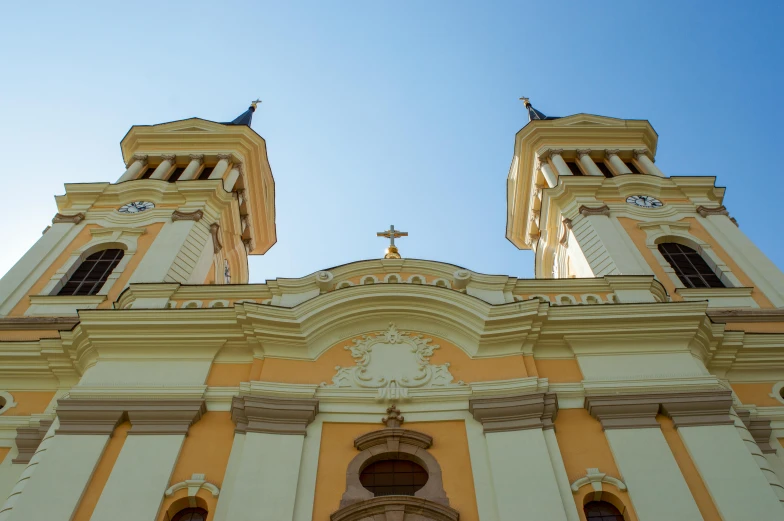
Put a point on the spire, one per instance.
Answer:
(246, 117)
(532, 112)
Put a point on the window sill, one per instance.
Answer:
(62, 305)
(720, 297)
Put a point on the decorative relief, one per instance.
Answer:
(75, 219)
(392, 363)
(567, 225)
(718, 210)
(187, 216)
(193, 485)
(215, 232)
(601, 210)
(596, 478)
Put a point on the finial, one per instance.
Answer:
(526, 101)
(254, 103)
(392, 234)
(393, 419)
(532, 112)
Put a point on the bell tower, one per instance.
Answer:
(197, 197)
(584, 194)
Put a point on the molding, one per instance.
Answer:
(196, 483)
(595, 479)
(28, 439)
(74, 219)
(761, 430)
(746, 315)
(512, 413)
(215, 232)
(638, 411)
(273, 415)
(91, 416)
(396, 508)
(716, 210)
(196, 215)
(601, 210)
(32, 323)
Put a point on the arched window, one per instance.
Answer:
(393, 478)
(601, 511)
(689, 265)
(90, 276)
(190, 514)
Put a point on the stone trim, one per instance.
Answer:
(595, 479)
(638, 411)
(600, 210)
(396, 508)
(187, 216)
(513, 413)
(28, 439)
(718, 210)
(28, 323)
(392, 438)
(760, 430)
(273, 415)
(146, 416)
(216, 243)
(724, 316)
(73, 219)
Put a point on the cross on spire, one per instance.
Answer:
(392, 234)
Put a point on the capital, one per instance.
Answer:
(238, 166)
(612, 152)
(140, 157)
(640, 152)
(197, 157)
(583, 152)
(224, 157)
(556, 151)
(171, 158)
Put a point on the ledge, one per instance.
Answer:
(62, 305)
(746, 315)
(390, 436)
(719, 297)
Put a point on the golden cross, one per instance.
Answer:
(392, 234)
(525, 101)
(254, 103)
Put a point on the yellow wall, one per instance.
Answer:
(10, 336)
(450, 448)
(205, 451)
(228, 375)
(583, 445)
(559, 371)
(101, 474)
(4, 452)
(755, 327)
(690, 473)
(757, 393)
(29, 402)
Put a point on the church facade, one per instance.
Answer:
(638, 376)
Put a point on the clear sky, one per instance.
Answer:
(389, 112)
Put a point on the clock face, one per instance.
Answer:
(135, 207)
(644, 201)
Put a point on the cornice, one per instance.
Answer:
(746, 315)
(37, 323)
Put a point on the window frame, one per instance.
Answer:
(94, 260)
(689, 258)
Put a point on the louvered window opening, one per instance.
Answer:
(690, 267)
(91, 275)
(393, 478)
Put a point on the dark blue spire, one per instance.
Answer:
(246, 117)
(533, 114)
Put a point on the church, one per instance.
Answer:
(637, 376)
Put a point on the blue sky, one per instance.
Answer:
(389, 112)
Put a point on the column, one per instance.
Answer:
(192, 168)
(559, 163)
(618, 166)
(135, 168)
(616, 255)
(641, 155)
(53, 492)
(735, 481)
(234, 174)
(265, 481)
(526, 487)
(169, 160)
(547, 172)
(220, 168)
(656, 485)
(142, 471)
(584, 157)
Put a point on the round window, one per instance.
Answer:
(393, 478)
(3, 401)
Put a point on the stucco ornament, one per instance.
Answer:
(393, 363)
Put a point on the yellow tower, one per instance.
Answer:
(196, 199)
(585, 194)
